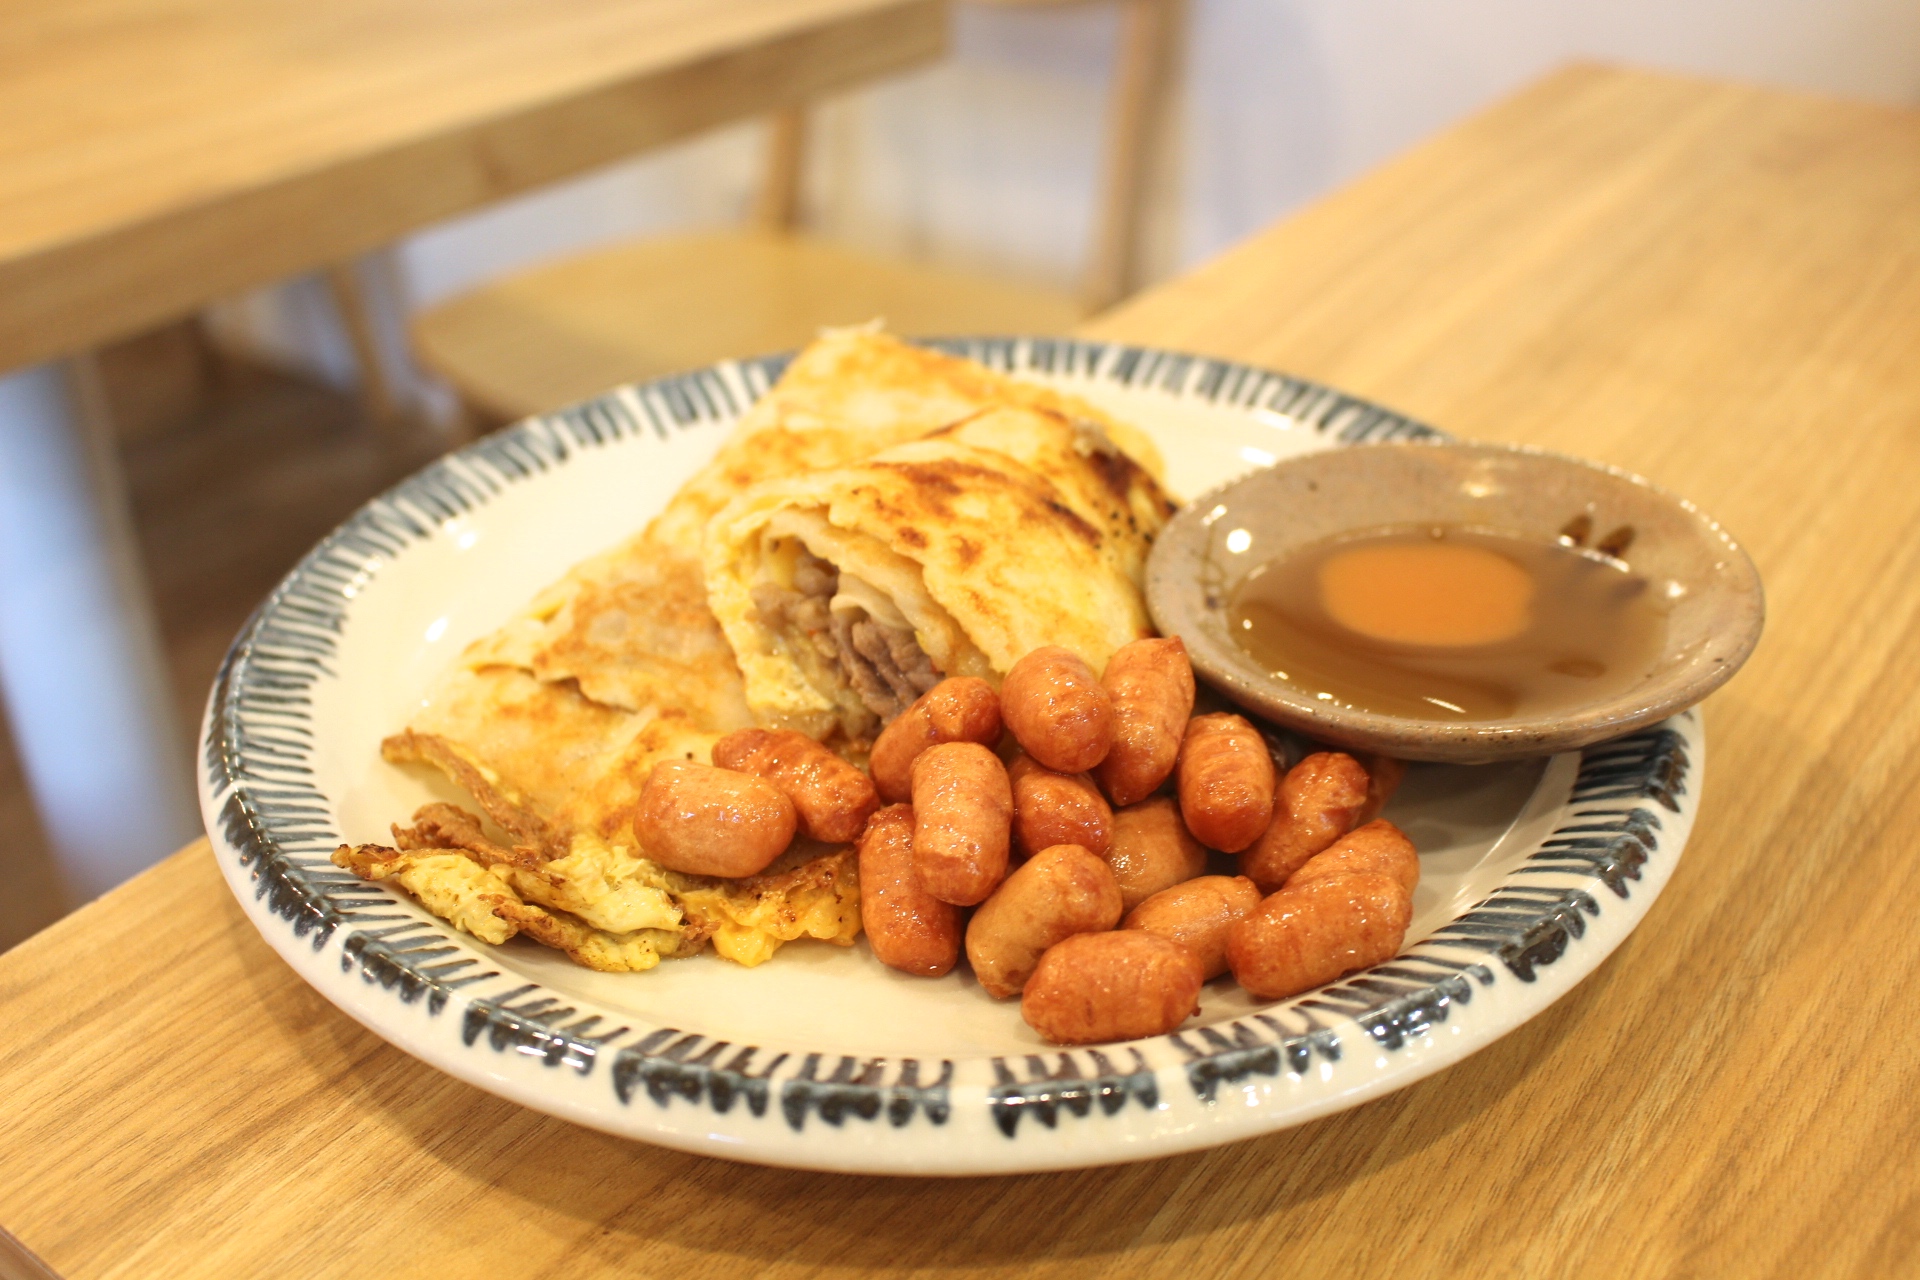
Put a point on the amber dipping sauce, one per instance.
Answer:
(1448, 623)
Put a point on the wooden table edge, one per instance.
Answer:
(72, 295)
(81, 916)
(17, 1262)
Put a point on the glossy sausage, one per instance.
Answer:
(1095, 987)
(712, 822)
(832, 798)
(1057, 711)
(1384, 775)
(1151, 685)
(1152, 850)
(962, 821)
(960, 709)
(1378, 846)
(1056, 808)
(1198, 915)
(908, 928)
(1301, 938)
(1226, 781)
(1319, 801)
(1060, 891)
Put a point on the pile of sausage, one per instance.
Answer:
(1089, 890)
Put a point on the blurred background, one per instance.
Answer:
(247, 432)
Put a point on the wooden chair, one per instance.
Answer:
(549, 336)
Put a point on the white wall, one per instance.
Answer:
(1291, 97)
(989, 158)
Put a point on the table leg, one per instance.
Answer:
(81, 666)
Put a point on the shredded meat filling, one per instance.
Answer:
(784, 609)
(884, 665)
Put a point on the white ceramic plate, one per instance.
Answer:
(1531, 872)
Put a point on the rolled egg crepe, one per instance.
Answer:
(848, 592)
(620, 663)
(551, 724)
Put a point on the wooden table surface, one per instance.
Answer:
(1716, 286)
(158, 154)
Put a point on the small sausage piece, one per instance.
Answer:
(833, 799)
(711, 822)
(1384, 775)
(1058, 892)
(1300, 938)
(962, 821)
(1319, 801)
(1198, 916)
(908, 928)
(1057, 808)
(1378, 846)
(1057, 711)
(1151, 685)
(1152, 850)
(960, 709)
(1226, 781)
(1095, 987)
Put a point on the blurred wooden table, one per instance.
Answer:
(1716, 286)
(157, 155)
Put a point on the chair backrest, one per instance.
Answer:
(1148, 32)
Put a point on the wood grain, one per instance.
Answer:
(1716, 286)
(155, 156)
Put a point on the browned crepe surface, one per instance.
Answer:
(620, 663)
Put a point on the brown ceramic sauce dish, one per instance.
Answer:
(1703, 582)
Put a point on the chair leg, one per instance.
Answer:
(777, 206)
(356, 314)
(1147, 32)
